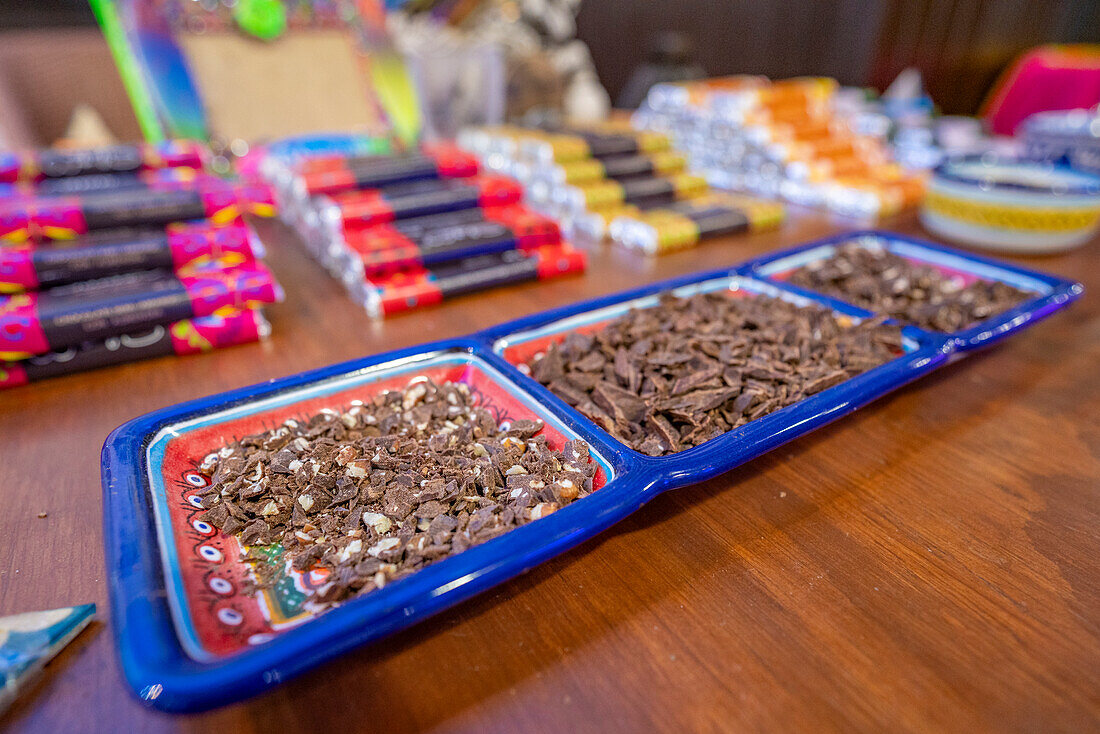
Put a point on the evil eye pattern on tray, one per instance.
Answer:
(190, 638)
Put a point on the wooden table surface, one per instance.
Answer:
(931, 563)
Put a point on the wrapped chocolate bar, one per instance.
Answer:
(788, 139)
(664, 230)
(683, 225)
(162, 179)
(424, 286)
(486, 140)
(40, 322)
(575, 200)
(334, 175)
(592, 226)
(65, 217)
(107, 252)
(590, 170)
(15, 221)
(48, 163)
(580, 144)
(339, 251)
(281, 164)
(439, 238)
(339, 214)
(10, 165)
(225, 328)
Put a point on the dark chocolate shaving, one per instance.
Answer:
(871, 277)
(676, 375)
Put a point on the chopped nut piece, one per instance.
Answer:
(346, 454)
(543, 509)
(378, 521)
(414, 395)
(351, 549)
(568, 490)
(382, 546)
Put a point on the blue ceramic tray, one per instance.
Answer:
(1051, 292)
(190, 640)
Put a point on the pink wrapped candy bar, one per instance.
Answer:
(189, 336)
(66, 217)
(36, 323)
(30, 266)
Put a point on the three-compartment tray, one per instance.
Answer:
(190, 638)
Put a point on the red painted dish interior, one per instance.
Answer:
(226, 620)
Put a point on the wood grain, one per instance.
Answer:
(931, 563)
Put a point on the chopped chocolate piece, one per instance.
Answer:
(872, 277)
(351, 522)
(374, 499)
(618, 402)
(430, 510)
(676, 375)
(591, 362)
(398, 508)
(668, 435)
(251, 490)
(253, 532)
(567, 391)
(346, 490)
(231, 526)
(524, 428)
(280, 462)
(216, 515)
(442, 524)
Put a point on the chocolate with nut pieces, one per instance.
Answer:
(913, 293)
(670, 377)
(387, 486)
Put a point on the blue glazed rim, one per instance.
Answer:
(153, 657)
(164, 676)
(1088, 184)
(1052, 292)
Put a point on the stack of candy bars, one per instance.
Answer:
(781, 139)
(409, 230)
(122, 253)
(609, 179)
